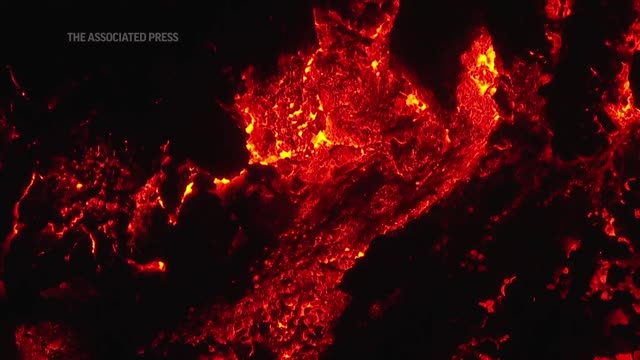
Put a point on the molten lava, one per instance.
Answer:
(349, 147)
(346, 130)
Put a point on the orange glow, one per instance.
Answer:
(484, 73)
(624, 111)
(188, 190)
(319, 135)
(223, 181)
(558, 9)
(620, 104)
(340, 126)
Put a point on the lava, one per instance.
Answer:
(346, 146)
(358, 137)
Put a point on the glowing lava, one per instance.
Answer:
(358, 149)
(346, 131)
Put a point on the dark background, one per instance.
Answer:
(151, 93)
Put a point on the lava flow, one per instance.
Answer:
(345, 148)
(345, 129)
